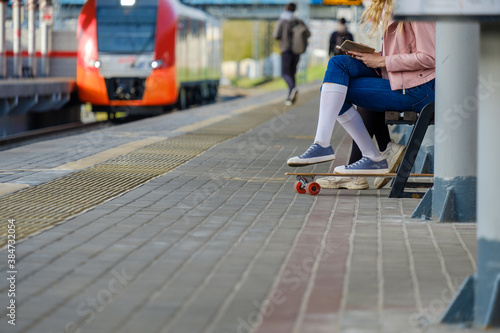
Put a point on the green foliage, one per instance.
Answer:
(245, 82)
(238, 37)
(237, 41)
(313, 74)
(237, 45)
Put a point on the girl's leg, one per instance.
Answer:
(340, 70)
(331, 101)
(372, 162)
(377, 95)
(353, 124)
(375, 125)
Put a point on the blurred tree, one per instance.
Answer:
(238, 38)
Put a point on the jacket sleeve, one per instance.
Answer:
(278, 30)
(423, 57)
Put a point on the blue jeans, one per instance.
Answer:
(367, 89)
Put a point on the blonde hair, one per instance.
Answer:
(376, 15)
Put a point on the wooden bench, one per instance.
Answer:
(421, 121)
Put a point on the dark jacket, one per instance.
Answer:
(337, 38)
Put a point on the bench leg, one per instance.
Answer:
(416, 138)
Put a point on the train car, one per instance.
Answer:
(145, 56)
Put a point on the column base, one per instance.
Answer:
(424, 208)
(447, 210)
(449, 201)
(461, 309)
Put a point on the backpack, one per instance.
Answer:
(337, 39)
(299, 35)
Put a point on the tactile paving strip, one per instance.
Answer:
(41, 207)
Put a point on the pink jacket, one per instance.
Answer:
(410, 54)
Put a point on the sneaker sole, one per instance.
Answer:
(381, 182)
(309, 161)
(346, 187)
(364, 172)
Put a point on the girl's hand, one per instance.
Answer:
(372, 60)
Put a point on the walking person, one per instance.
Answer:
(290, 56)
(399, 78)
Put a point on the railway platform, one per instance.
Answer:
(186, 223)
(19, 96)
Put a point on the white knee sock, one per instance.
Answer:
(353, 124)
(330, 102)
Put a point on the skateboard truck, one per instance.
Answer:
(306, 184)
(305, 181)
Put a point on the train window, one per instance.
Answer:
(126, 29)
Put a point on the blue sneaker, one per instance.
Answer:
(315, 154)
(364, 165)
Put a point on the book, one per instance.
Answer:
(348, 45)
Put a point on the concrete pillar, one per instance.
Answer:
(256, 47)
(44, 39)
(31, 36)
(304, 13)
(3, 59)
(16, 39)
(487, 294)
(454, 192)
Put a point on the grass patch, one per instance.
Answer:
(313, 73)
(245, 82)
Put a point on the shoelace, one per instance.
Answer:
(311, 148)
(362, 160)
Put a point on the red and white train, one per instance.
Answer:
(144, 56)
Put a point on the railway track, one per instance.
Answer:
(13, 140)
(70, 128)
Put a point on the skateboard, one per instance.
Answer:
(305, 181)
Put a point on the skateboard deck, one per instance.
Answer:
(305, 180)
(390, 174)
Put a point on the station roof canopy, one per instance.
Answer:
(242, 2)
(62, 2)
(237, 2)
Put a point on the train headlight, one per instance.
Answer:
(94, 63)
(156, 64)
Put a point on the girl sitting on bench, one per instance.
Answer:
(399, 78)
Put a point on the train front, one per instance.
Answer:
(126, 53)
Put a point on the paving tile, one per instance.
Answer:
(224, 244)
